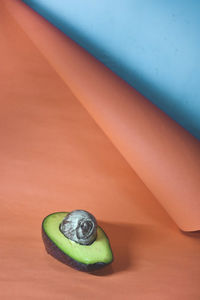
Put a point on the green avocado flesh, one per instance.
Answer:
(98, 251)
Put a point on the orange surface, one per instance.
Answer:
(53, 157)
(163, 154)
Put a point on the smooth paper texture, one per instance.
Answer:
(152, 44)
(162, 153)
(54, 157)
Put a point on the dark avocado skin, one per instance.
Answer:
(58, 254)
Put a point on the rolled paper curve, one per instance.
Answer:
(153, 45)
(164, 155)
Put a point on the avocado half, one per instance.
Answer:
(85, 258)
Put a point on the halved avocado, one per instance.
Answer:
(81, 257)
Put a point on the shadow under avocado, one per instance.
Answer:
(120, 237)
(128, 242)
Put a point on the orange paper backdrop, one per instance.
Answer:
(54, 157)
(163, 154)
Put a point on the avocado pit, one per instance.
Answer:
(80, 226)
